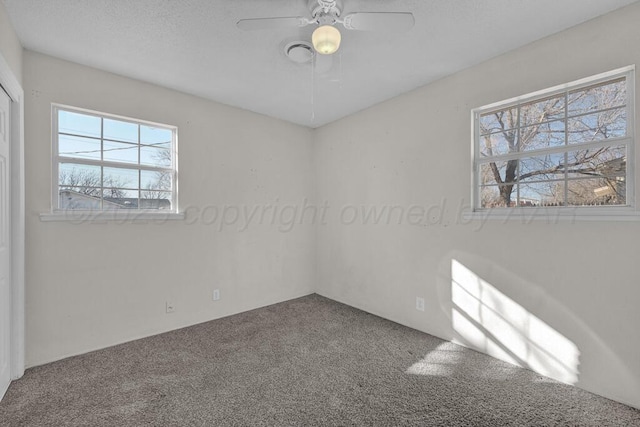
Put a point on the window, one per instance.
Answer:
(570, 146)
(103, 162)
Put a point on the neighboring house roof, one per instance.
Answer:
(133, 203)
(70, 199)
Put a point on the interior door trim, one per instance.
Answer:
(13, 88)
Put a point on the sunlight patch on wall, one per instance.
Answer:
(491, 322)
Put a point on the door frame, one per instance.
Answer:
(12, 86)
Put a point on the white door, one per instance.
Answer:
(5, 247)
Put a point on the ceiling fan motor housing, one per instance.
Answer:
(319, 8)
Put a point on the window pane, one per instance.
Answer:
(496, 144)
(120, 131)
(81, 198)
(84, 177)
(157, 137)
(498, 121)
(490, 197)
(598, 97)
(542, 110)
(539, 168)
(155, 180)
(607, 162)
(120, 198)
(155, 200)
(541, 194)
(120, 152)
(152, 156)
(598, 126)
(488, 170)
(596, 192)
(545, 135)
(78, 147)
(121, 178)
(78, 124)
(156, 190)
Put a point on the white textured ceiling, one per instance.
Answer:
(194, 46)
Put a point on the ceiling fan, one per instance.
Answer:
(326, 14)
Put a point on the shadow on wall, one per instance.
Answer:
(496, 312)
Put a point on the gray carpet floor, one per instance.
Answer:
(305, 362)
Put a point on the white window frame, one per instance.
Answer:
(617, 212)
(57, 214)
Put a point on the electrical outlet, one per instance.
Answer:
(170, 307)
(216, 294)
(419, 304)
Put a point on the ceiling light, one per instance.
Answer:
(326, 39)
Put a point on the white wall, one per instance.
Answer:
(581, 279)
(92, 285)
(10, 46)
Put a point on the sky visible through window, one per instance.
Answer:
(80, 136)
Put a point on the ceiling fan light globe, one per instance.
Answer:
(326, 39)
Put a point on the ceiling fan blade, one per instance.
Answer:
(379, 21)
(272, 23)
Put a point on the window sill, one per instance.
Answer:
(97, 216)
(552, 215)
